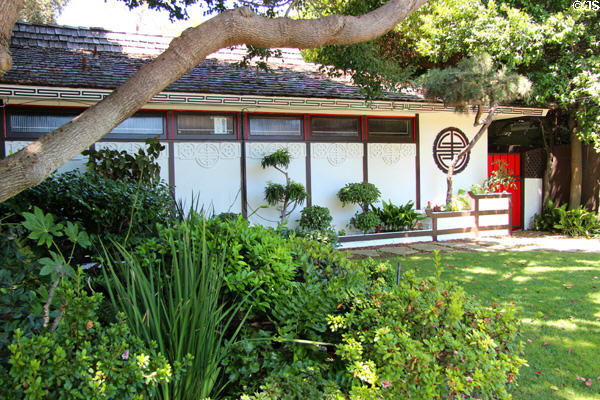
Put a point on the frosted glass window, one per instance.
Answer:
(275, 126)
(32, 125)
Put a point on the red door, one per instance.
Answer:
(513, 164)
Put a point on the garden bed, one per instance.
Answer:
(490, 216)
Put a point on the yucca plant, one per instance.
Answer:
(176, 303)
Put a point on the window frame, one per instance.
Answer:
(333, 138)
(275, 138)
(411, 137)
(73, 112)
(209, 137)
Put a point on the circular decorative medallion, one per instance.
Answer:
(448, 143)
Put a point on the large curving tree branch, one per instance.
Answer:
(9, 12)
(35, 162)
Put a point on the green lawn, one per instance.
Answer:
(560, 297)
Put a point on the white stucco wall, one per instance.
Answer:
(77, 162)
(433, 180)
(257, 179)
(333, 165)
(208, 174)
(532, 190)
(392, 168)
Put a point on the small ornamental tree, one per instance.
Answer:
(363, 194)
(289, 195)
(474, 81)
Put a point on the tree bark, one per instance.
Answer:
(548, 140)
(31, 165)
(576, 166)
(9, 12)
(484, 125)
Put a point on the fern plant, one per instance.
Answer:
(288, 195)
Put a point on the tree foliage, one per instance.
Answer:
(41, 11)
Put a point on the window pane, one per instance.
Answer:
(275, 126)
(335, 126)
(389, 126)
(142, 125)
(204, 124)
(36, 125)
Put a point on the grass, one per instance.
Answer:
(559, 294)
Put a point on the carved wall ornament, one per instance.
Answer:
(207, 155)
(392, 153)
(259, 150)
(448, 143)
(337, 153)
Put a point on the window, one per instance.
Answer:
(325, 127)
(141, 125)
(204, 125)
(31, 123)
(390, 129)
(275, 126)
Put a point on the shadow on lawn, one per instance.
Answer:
(559, 294)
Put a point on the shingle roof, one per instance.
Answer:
(63, 56)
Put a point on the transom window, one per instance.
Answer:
(204, 125)
(334, 127)
(390, 129)
(33, 123)
(273, 126)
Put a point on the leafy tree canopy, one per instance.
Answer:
(41, 11)
(553, 44)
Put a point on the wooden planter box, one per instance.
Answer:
(490, 216)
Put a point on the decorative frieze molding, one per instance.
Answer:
(337, 153)
(259, 150)
(207, 155)
(392, 153)
(291, 103)
(131, 148)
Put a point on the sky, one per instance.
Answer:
(114, 15)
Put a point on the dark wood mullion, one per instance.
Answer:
(418, 162)
(243, 172)
(3, 125)
(365, 136)
(308, 163)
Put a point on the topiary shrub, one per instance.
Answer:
(363, 194)
(288, 195)
(315, 218)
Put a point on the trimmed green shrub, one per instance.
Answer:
(289, 195)
(366, 221)
(364, 194)
(315, 218)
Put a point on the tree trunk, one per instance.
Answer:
(9, 12)
(576, 166)
(484, 125)
(31, 165)
(548, 140)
